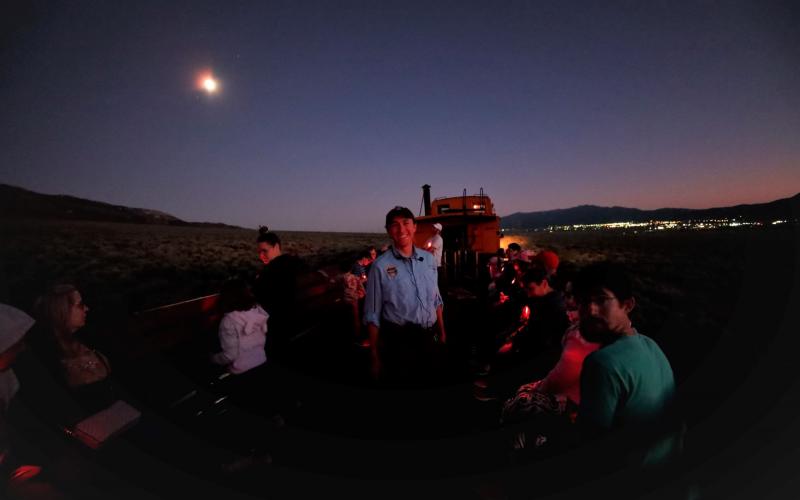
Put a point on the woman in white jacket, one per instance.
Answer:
(243, 330)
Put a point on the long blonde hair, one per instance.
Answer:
(52, 310)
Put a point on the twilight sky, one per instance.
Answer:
(330, 113)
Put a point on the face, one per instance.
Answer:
(267, 252)
(402, 230)
(603, 317)
(536, 289)
(76, 317)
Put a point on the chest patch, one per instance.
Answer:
(391, 271)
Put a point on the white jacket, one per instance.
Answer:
(242, 335)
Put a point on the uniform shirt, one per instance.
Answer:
(435, 244)
(402, 290)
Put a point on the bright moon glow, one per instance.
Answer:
(210, 85)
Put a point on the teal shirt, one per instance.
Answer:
(630, 385)
(629, 382)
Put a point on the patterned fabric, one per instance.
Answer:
(86, 367)
(545, 416)
(530, 401)
(353, 288)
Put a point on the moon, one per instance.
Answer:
(206, 81)
(210, 84)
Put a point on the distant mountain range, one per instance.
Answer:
(19, 203)
(783, 209)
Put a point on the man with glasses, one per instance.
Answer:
(628, 383)
(403, 306)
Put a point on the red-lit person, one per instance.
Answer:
(14, 324)
(558, 395)
(403, 306)
(359, 268)
(549, 260)
(534, 349)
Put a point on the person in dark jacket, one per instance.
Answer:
(276, 290)
(534, 348)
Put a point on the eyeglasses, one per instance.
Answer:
(599, 300)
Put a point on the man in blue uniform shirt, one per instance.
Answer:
(403, 306)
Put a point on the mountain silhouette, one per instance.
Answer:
(19, 203)
(783, 209)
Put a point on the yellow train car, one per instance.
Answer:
(470, 229)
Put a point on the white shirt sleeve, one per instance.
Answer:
(229, 341)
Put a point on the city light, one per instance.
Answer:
(664, 225)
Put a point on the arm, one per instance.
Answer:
(600, 395)
(375, 360)
(229, 342)
(373, 303)
(440, 322)
(566, 374)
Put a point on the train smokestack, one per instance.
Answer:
(426, 198)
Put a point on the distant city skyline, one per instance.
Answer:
(322, 116)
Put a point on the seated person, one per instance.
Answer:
(626, 385)
(15, 477)
(558, 394)
(514, 251)
(534, 347)
(359, 268)
(243, 329)
(495, 266)
(549, 260)
(354, 293)
(60, 313)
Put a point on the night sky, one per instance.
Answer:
(330, 113)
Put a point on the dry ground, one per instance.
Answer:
(135, 266)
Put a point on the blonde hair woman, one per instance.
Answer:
(60, 313)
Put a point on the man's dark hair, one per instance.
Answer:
(364, 254)
(535, 274)
(267, 236)
(594, 277)
(515, 247)
(401, 212)
(236, 296)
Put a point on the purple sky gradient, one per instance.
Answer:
(330, 113)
